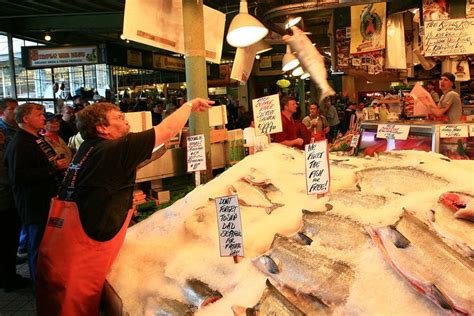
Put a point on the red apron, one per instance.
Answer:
(72, 267)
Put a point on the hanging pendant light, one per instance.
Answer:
(305, 76)
(245, 30)
(297, 72)
(289, 61)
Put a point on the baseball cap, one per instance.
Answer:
(51, 116)
(450, 77)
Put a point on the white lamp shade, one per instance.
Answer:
(293, 22)
(245, 30)
(305, 76)
(289, 61)
(298, 72)
(262, 47)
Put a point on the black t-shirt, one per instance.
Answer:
(105, 181)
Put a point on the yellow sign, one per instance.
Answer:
(368, 27)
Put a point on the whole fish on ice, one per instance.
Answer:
(430, 266)
(310, 59)
(462, 204)
(398, 180)
(253, 196)
(305, 271)
(199, 294)
(355, 198)
(333, 231)
(157, 306)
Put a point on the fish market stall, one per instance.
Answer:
(455, 141)
(390, 238)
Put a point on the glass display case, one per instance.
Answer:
(455, 141)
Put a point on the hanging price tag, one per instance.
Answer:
(196, 153)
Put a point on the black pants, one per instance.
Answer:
(10, 226)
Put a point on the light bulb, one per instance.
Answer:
(47, 37)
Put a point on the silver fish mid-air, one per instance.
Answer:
(430, 266)
(333, 231)
(397, 180)
(157, 306)
(310, 59)
(199, 293)
(305, 271)
(253, 196)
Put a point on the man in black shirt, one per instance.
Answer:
(67, 126)
(87, 223)
(33, 171)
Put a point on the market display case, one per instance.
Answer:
(455, 141)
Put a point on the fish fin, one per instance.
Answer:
(441, 298)
(242, 311)
(358, 187)
(398, 193)
(467, 214)
(328, 206)
(231, 189)
(398, 239)
(326, 93)
(270, 209)
(431, 216)
(303, 239)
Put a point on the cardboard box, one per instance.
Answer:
(161, 196)
(218, 135)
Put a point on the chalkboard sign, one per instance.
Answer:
(196, 153)
(449, 37)
(267, 115)
(230, 226)
(317, 167)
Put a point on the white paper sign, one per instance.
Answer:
(317, 167)
(449, 37)
(392, 131)
(243, 63)
(267, 115)
(471, 130)
(446, 131)
(159, 23)
(355, 140)
(230, 226)
(196, 153)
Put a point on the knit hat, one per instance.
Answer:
(450, 77)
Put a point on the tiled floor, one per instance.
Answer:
(19, 302)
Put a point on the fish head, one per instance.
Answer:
(454, 200)
(396, 237)
(268, 264)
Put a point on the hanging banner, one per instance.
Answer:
(317, 167)
(267, 115)
(41, 57)
(449, 37)
(368, 27)
(230, 226)
(435, 10)
(159, 23)
(168, 63)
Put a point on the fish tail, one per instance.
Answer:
(270, 209)
(441, 299)
(326, 92)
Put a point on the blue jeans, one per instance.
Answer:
(34, 234)
(22, 246)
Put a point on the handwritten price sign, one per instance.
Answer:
(230, 226)
(355, 140)
(446, 131)
(317, 167)
(392, 131)
(449, 37)
(267, 115)
(471, 130)
(196, 153)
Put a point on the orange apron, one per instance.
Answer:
(72, 267)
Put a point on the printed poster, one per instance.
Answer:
(435, 10)
(368, 26)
